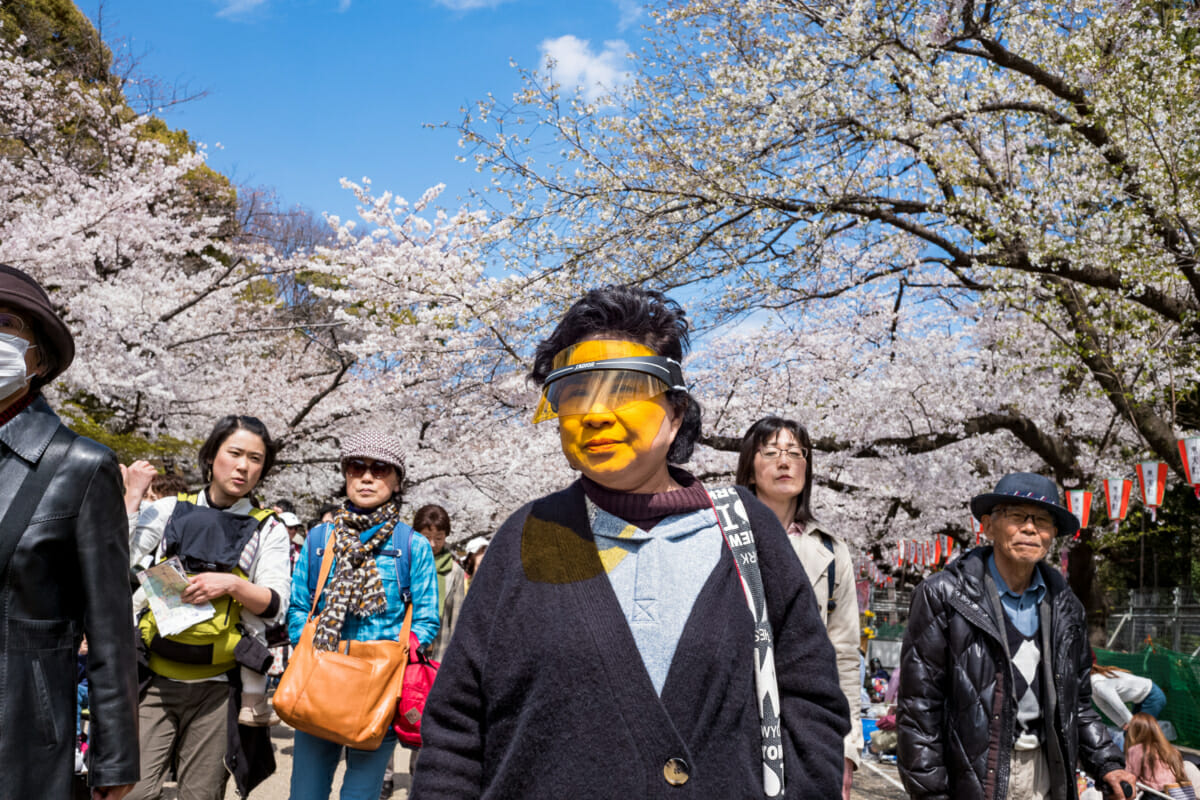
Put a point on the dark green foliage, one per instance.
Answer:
(1171, 543)
(55, 30)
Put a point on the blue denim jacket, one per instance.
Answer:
(387, 624)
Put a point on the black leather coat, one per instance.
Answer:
(957, 713)
(67, 578)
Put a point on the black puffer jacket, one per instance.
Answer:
(67, 578)
(957, 713)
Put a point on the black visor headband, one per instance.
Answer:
(665, 369)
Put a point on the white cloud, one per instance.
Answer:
(468, 5)
(343, 5)
(631, 11)
(233, 8)
(573, 64)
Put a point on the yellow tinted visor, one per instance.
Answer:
(613, 389)
(599, 350)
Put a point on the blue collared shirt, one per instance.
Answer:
(1022, 608)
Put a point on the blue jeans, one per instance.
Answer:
(314, 760)
(1154, 703)
(81, 702)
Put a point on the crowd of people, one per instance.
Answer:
(635, 634)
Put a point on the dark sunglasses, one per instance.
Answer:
(356, 468)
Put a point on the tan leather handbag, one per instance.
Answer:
(346, 695)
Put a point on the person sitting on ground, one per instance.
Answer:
(1149, 755)
(885, 737)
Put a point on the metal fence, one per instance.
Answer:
(1167, 617)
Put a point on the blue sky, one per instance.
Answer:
(304, 92)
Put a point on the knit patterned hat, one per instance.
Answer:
(375, 444)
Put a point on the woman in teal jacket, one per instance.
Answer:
(372, 547)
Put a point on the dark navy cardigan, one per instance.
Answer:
(543, 693)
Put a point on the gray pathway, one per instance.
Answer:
(875, 781)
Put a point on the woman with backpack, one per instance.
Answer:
(607, 648)
(776, 463)
(236, 557)
(377, 561)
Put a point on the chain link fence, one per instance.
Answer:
(1166, 617)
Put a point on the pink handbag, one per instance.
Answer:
(418, 680)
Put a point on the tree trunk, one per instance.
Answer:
(1081, 576)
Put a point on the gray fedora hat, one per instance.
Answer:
(1027, 487)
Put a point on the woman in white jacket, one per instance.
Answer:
(1113, 687)
(776, 463)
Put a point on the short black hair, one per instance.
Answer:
(431, 516)
(170, 483)
(640, 315)
(226, 427)
(759, 434)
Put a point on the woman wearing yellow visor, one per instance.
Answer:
(606, 648)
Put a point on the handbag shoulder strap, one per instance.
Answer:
(326, 563)
(827, 540)
(33, 486)
(404, 631)
(735, 526)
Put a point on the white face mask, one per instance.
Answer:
(13, 377)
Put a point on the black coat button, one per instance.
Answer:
(676, 771)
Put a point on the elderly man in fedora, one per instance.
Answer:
(995, 701)
(64, 555)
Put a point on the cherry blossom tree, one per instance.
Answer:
(969, 227)
(952, 240)
(184, 311)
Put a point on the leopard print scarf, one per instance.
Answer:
(355, 585)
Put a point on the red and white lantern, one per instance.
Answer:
(1189, 451)
(976, 530)
(1116, 497)
(1152, 475)
(1079, 503)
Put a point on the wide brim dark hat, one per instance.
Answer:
(22, 293)
(1027, 488)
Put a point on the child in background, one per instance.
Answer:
(1151, 757)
